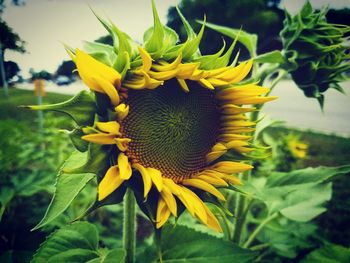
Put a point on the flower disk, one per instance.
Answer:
(171, 130)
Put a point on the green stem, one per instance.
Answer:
(258, 229)
(242, 208)
(260, 247)
(158, 241)
(129, 227)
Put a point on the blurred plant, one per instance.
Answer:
(287, 152)
(43, 74)
(318, 51)
(296, 148)
(27, 174)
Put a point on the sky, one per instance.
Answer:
(45, 24)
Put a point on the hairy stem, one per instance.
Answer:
(258, 229)
(242, 208)
(129, 227)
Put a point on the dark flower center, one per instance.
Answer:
(171, 130)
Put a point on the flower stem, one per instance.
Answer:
(241, 213)
(258, 229)
(129, 227)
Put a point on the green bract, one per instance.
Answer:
(317, 51)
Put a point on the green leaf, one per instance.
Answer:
(183, 244)
(114, 256)
(78, 143)
(102, 52)
(299, 195)
(189, 30)
(287, 238)
(68, 186)
(304, 205)
(191, 46)
(76, 243)
(81, 108)
(306, 176)
(246, 39)
(80, 237)
(330, 253)
(154, 43)
(271, 57)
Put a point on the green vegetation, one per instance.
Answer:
(9, 109)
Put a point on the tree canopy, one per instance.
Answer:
(10, 39)
(262, 17)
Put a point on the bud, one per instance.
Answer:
(318, 51)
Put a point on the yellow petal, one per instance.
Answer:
(204, 186)
(172, 186)
(217, 181)
(197, 203)
(122, 111)
(226, 137)
(100, 138)
(89, 67)
(156, 177)
(109, 89)
(231, 72)
(245, 70)
(244, 90)
(152, 83)
(253, 100)
(124, 167)
(135, 83)
(169, 200)
(163, 213)
(111, 127)
(234, 117)
(234, 109)
(163, 75)
(212, 156)
(217, 82)
(236, 129)
(228, 167)
(147, 181)
(212, 221)
(238, 123)
(179, 192)
(199, 74)
(168, 66)
(185, 71)
(217, 71)
(231, 179)
(183, 85)
(206, 84)
(110, 182)
(122, 143)
(146, 59)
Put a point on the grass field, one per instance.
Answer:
(9, 106)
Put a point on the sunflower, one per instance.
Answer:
(171, 117)
(296, 148)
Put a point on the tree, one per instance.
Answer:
(108, 40)
(11, 69)
(66, 68)
(43, 74)
(14, 2)
(9, 40)
(262, 17)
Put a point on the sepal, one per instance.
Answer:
(81, 108)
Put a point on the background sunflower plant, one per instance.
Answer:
(178, 133)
